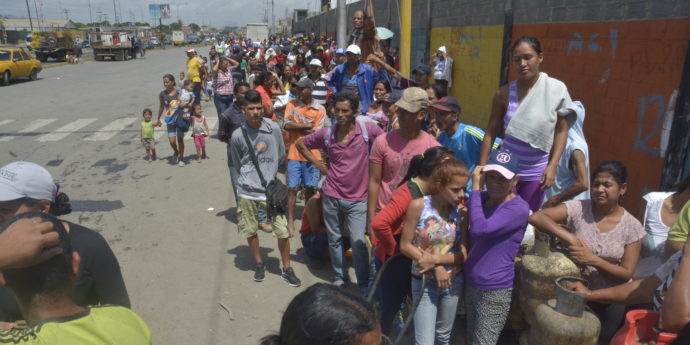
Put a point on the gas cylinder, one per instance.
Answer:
(539, 270)
(564, 321)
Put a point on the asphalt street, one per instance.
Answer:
(172, 228)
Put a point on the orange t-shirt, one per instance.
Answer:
(266, 99)
(300, 113)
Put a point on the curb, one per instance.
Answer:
(65, 63)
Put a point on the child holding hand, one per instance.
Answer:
(199, 132)
(147, 139)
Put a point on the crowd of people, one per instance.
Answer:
(391, 177)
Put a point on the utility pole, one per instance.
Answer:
(115, 9)
(29, 10)
(90, 15)
(341, 32)
(273, 17)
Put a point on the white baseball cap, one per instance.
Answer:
(315, 62)
(354, 49)
(442, 49)
(25, 179)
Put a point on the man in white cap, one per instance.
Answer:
(355, 77)
(194, 73)
(320, 92)
(443, 68)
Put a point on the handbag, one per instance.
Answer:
(276, 190)
(181, 123)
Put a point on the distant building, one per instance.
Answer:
(38, 25)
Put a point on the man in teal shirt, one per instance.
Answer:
(463, 139)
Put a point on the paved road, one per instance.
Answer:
(172, 228)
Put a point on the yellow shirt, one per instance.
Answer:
(103, 325)
(680, 228)
(193, 67)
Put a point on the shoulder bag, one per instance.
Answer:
(276, 190)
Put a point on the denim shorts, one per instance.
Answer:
(174, 131)
(302, 173)
(315, 245)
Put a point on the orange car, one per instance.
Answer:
(17, 63)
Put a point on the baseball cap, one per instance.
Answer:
(340, 51)
(422, 69)
(25, 179)
(503, 162)
(448, 103)
(354, 49)
(413, 100)
(305, 83)
(190, 50)
(315, 62)
(442, 49)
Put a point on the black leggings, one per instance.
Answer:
(611, 317)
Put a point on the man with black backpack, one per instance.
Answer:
(257, 149)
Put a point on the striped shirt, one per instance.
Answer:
(320, 92)
(531, 162)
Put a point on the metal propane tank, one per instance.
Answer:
(539, 269)
(564, 321)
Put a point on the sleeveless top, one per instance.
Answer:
(531, 162)
(437, 232)
(198, 126)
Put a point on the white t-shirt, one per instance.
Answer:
(657, 232)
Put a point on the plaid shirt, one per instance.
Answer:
(222, 82)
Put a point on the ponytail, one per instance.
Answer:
(423, 165)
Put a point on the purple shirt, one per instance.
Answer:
(494, 239)
(348, 165)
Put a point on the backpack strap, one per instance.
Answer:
(327, 137)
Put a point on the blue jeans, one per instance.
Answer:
(353, 213)
(433, 320)
(315, 245)
(222, 102)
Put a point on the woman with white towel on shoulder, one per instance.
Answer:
(532, 114)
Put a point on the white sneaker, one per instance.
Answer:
(180, 163)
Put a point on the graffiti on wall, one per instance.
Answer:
(579, 43)
(663, 119)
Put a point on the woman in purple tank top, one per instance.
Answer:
(537, 161)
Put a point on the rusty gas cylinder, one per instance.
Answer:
(564, 320)
(538, 272)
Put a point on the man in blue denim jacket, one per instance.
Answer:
(356, 77)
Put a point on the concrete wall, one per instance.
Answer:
(623, 59)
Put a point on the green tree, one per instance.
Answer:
(175, 26)
(195, 28)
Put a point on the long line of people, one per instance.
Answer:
(406, 181)
(443, 205)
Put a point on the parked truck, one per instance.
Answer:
(115, 45)
(257, 32)
(52, 44)
(178, 38)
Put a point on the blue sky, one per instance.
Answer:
(218, 13)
